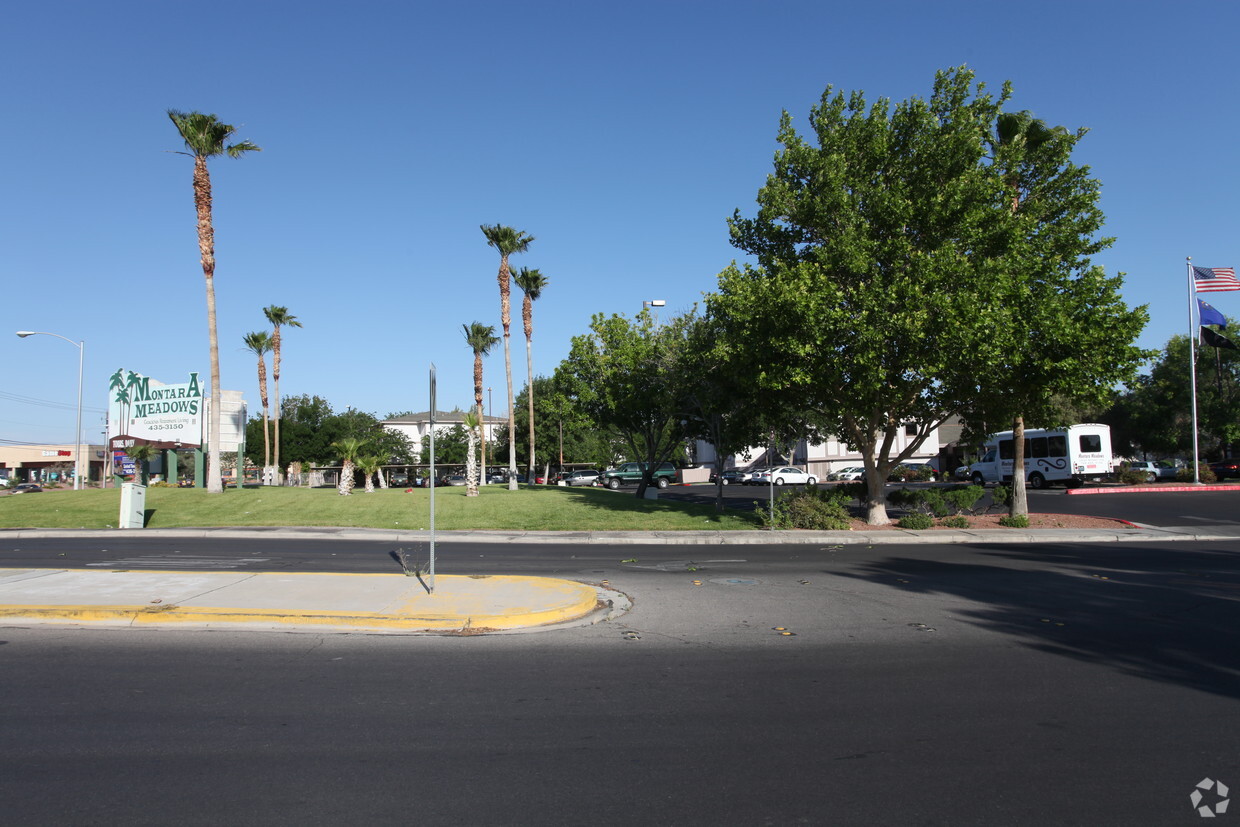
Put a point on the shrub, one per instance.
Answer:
(811, 508)
(855, 490)
(1017, 521)
(1133, 476)
(1185, 474)
(1000, 497)
(963, 497)
(955, 522)
(916, 522)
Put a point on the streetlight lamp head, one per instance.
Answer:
(25, 333)
(657, 303)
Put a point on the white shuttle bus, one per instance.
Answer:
(1068, 455)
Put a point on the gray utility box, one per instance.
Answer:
(133, 505)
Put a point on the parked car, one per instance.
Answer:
(732, 476)
(784, 475)
(913, 472)
(456, 479)
(630, 473)
(852, 472)
(585, 477)
(27, 488)
(1226, 468)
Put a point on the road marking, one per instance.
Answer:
(181, 562)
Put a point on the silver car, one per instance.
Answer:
(588, 477)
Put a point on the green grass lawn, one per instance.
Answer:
(534, 508)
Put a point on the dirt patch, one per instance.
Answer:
(992, 521)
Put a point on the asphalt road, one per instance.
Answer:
(920, 685)
(983, 684)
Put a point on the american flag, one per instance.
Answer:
(1215, 279)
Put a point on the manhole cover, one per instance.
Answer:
(734, 581)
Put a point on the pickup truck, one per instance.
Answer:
(631, 474)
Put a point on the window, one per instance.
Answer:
(1091, 443)
(1037, 447)
(1057, 446)
(1007, 449)
(910, 429)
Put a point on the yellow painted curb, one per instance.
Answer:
(553, 601)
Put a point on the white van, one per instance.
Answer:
(1069, 455)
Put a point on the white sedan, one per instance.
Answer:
(787, 475)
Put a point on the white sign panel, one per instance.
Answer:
(141, 408)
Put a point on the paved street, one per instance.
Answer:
(903, 684)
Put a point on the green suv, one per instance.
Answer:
(631, 474)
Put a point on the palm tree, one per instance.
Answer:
(531, 283)
(259, 343)
(206, 137)
(508, 241)
(142, 454)
(278, 316)
(1018, 134)
(481, 338)
(350, 449)
(472, 423)
(370, 466)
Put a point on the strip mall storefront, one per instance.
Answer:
(49, 463)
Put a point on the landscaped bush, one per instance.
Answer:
(1133, 476)
(1017, 521)
(816, 509)
(916, 522)
(955, 522)
(964, 497)
(1000, 497)
(1185, 474)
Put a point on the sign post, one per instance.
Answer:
(431, 565)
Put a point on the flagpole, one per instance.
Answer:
(1192, 366)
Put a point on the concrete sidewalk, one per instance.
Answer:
(399, 603)
(357, 602)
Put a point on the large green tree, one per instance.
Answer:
(508, 241)
(1067, 335)
(567, 433)
(206, 137)
(622, 375)
(893, 275)
(279, 317)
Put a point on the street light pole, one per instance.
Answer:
(77, 435)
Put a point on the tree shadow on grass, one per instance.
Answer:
(1162, 613)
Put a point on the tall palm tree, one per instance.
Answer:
(472, 424)
(278, 316)
(259, 343)
(508, 241)
(531, 283)
(206, 137)
(481, 338)
(370, 465)
(1018, 134)
(350, 449)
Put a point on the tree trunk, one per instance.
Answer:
(529, 366)
(275, 376)
(876, 495)
(471, 464)
(505, 315)
(1020, 499)
(345, 488)
(206, 249)
(370, 482)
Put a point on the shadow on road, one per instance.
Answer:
(1166, 614)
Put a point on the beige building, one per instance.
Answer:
(416, 426)
(49, 463)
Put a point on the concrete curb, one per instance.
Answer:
(358, 602)
(724, 538)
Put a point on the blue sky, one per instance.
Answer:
(621, 136)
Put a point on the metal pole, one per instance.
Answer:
(1192, 368)
(431, 566)
(77, 435)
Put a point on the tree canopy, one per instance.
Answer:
(894, 282)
